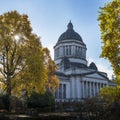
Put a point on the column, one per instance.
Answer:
(81, 52)
(78, 87)
(75, 50)
(62, 90)
(72, 50)
(97, 88)
(68, 90)
(83, 94)
(73, 87)
(90, 88)
(61, 50)
(86, 89)
(93, 89)
(65, 51)
(100, 85)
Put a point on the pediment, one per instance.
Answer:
(96, 76)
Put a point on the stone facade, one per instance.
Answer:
(78, 81)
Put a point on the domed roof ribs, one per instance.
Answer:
(70, 34)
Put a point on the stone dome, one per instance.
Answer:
(70, 34)
(93, 66)
(70, 45)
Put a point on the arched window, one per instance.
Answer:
(75, 50)
(67, 51)
(63, 50)
(80, 51)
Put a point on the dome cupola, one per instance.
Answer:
(70, 45)
(70, 34)
(93, 66)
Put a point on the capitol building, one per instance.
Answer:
(78, 80)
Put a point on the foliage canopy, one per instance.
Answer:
(109, 17)
(22, 57)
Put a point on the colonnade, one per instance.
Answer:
(90, 89)
(81, 90)
(70, 50)
(61, 92)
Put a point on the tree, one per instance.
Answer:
(52, 82)
(111, 94)
(109, 17)
(21, 55)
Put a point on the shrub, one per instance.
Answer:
(6, 101)
(39, 101)
(1, 103)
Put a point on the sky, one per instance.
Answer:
(49, 19)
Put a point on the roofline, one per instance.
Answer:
(82, 74)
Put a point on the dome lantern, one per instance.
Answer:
(70, 26)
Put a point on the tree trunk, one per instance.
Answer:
(8, 91)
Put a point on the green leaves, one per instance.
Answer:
(109, 17)
(111, 94)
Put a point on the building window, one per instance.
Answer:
(80, 51)
(67, 51)
(56, 94)
(63, 50)
(64, 91)
(58, 52)
(60, 91)
(70, 50)
(75, 50)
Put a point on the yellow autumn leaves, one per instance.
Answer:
(24, 62)
(109, 17)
